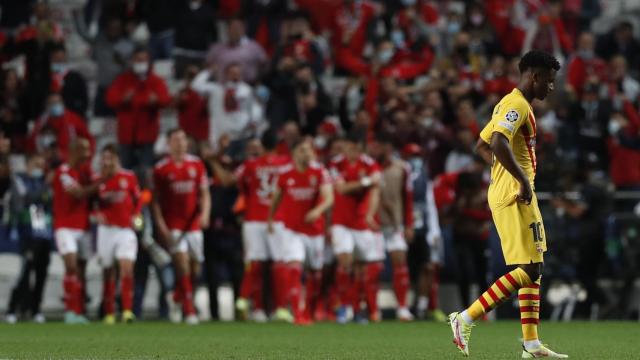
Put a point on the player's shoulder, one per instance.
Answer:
(286, 168)
(193, 159)
(367, 160)
(127, 173)
(513, 101)
(162, 163)
(337, 159)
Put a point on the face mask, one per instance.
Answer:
(140, 69)
(408, 2)
(614, 127)
(36, 173)
(585, 54)
(58, 67)
(320, 142)
(453, 28)
(56, 110)
(477, 19)
(397, 37)
(385, 56)
(263, 93)
(195, 5)
(427, 121)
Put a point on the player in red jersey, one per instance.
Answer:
(118, 203)
(355, 230)
(72, 188)
(256, 180)
(181, 208)
(302, 197)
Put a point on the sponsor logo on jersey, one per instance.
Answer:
(123, 183)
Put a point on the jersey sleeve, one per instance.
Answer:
(507, 118)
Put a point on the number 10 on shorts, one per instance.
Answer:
(536, 227)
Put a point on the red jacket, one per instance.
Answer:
(65, 128)
(138, 119)
(193, 116)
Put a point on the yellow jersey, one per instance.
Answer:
(512, 117)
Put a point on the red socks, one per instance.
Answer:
(313, 287)
(295, 286)
(126, 292)
(251, 287)
(343, 285)
(401, 284)
(108, 296)
(279, 280)
(72, 296)
(187, 293)
(371, 284)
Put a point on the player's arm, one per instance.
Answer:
(502, 151)
(80, 192)
(225, 176)
(407, 190)
(366, 182)
(372, 210)
(326, 196)
(164, 235)
(205, 206)
(484, 150)
(275, 202)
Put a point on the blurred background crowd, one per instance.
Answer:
(427, 72)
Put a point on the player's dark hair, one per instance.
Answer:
(269, 140)
(538, 59)
(383, 137)
(172, 131)
(110, 148)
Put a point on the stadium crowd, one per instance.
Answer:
(316, 148)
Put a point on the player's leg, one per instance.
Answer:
(194, 257)
(106, 241)
(343, 247)
(66, 241)
(83, 256)
(279, 272)
(397, 249)
(126, 253)
(370, 247)
(254, 236)
(294, 256)
(314, 255)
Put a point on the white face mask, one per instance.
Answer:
(320, 142)
(195, 5)
(614, 127)
(140, 69)
(385, 56)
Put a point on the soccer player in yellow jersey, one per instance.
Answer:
(508, 143)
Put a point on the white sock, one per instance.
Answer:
(532, 344)
(465, 316)
(423, 303)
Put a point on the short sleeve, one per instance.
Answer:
(507, 118)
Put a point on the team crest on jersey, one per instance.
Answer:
(291, 182)
(123, 183)
(512, 116)
(192, 172)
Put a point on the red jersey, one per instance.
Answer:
(300, 194)
(348, 205)
(68, 211)
(177, 187)
(256, 179)
(118, 198)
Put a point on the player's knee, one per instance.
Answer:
(533, 271)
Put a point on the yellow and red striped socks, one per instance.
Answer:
(529, 300)
(500, 291)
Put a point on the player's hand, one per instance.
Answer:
(526, 194)
(372, 223)
(153, 99)
(312, 216)
(409, 235)
(204, 222)
(164, 235)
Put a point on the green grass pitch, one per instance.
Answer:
(388, 340)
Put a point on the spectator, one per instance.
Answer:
(58, 127)
(238, 49)
(584, 64)
(137, 95)
(300, 98)
(461, 157)
(14, 105)
(620, 82)
(160, 17)
(620, 40)
(264, 20)
(195, 30)
(350, 29)
(15, 13)
(299, 44)
(233, 110)
(588, 121)
(36, 42)
(111, 49)
(31, 206)
(193, 116)
(69, 83)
